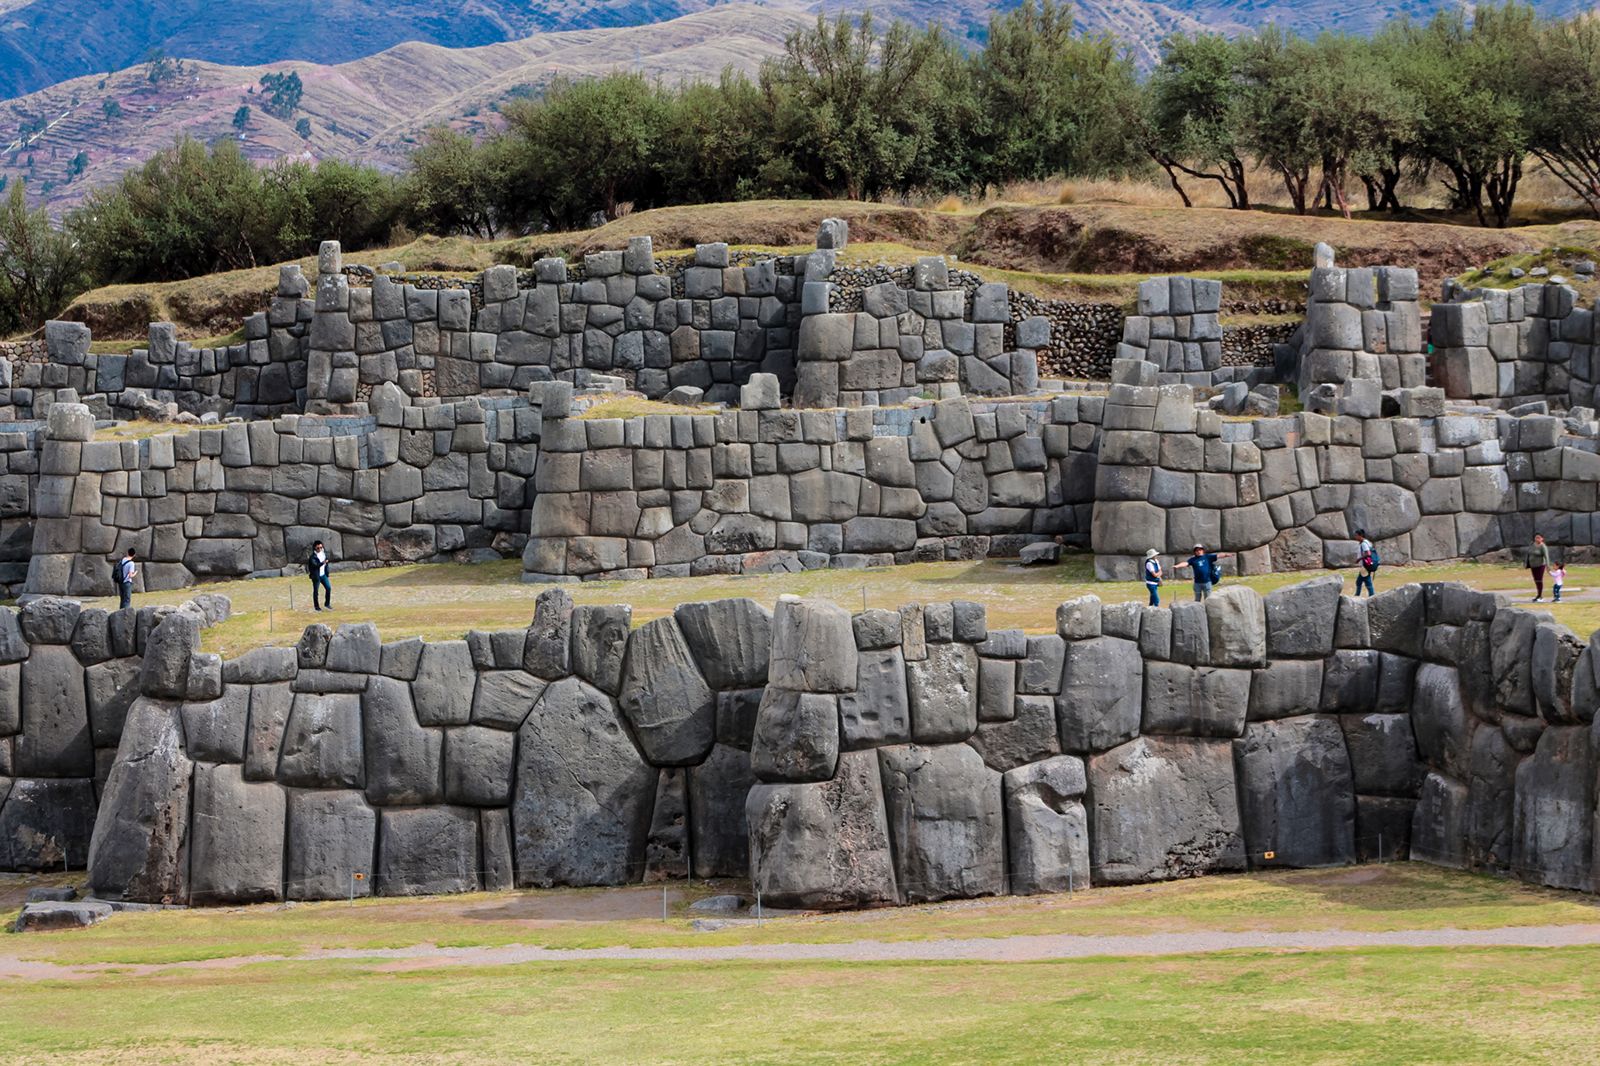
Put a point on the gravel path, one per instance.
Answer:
(976, 949)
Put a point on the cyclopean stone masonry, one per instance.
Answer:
(842, 759)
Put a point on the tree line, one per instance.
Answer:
(861, 110)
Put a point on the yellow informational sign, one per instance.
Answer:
(1264, 855)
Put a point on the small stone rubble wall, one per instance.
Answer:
(844, 760)
(768, 489)
(1288, 493)
(1178, 330)
(67, 678)
(939, 336)
(404, 484)
(1515, 346)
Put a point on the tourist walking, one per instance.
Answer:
(127, 570)
(1152, 576)
(1367, 562)
(1558, 577)
(1203, 565)
(1538, 559)
(317, 567)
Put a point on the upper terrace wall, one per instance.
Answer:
(1514, 346)
(770, 489)
(847, 760)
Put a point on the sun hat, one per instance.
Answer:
(1151, 554)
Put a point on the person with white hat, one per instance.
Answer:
(1152, 576)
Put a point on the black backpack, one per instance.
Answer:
(116, 573)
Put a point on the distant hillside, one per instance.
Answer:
(370, 110)
(44, 42)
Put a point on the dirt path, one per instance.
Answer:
(976, 949)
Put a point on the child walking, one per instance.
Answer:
(1558, 577)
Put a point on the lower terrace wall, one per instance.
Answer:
(404, 484)
(774, 489)
(848, 760)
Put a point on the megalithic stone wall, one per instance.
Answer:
(779, 489)
(1289, 493)
(68, 676)
(1529, 344)
(403, 484)
(843, 759)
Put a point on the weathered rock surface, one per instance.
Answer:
(665, 697)
(946, 819)
(140, 849)
(1296, 796)
(1163, 807)
(236, 855)
(1047, 828)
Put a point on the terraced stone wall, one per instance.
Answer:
(1289, 493)
(404, 484)
(846, 760)
(770, 489)
(1508, 347)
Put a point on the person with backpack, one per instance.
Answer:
(1367, 557)
(125, 570)
(1152, 576)
(1203, 565)
(1537, 560)
(317, 568)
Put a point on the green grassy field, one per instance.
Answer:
(1384, 898)
(1332, 1006)
(443, 601)
(1434, 1006)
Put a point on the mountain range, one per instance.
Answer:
(76, 106)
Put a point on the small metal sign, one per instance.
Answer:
(1264, 855)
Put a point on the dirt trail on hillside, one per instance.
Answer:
(973, 949)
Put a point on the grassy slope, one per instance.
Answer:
(1393, 896)
(443, 601)
(1092, 252)
(1368, 1006)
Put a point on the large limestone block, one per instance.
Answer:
(140, 847)
(322, 742)
(47, 824)
(1440, 720)
(236, 855)
(1296, 795)
(214, 731)
(823, 845)
(1029, 736)
(599, 640)
(1553, 831)
(331, 838)
(1047, 828)
(547, 652)
(1161, 808)
(1383, 754)
(404, 761)
(1237, 622)
(479, 763)
(1439, 826)
(1197, 701)
(730, 640)
(946, 819)
(167, 652)
(1491, 781)
(813, 647)
(581, 804)
(1301, 618)
(796, 736)
(503, 698)
(718, 833)
(944, 694)
(55, 740)
(1101, 698)
(427, 851)
(879, 710)
(665, 697)
(443, 688)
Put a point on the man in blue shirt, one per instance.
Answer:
(1203, 565)
(127, 570)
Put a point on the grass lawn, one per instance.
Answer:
(1390, 1006)
(1393, 896)
(443, 601)
(1394, 1005)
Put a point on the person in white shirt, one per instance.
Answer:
(317, 568)
(1152, 576)
(127, 570)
